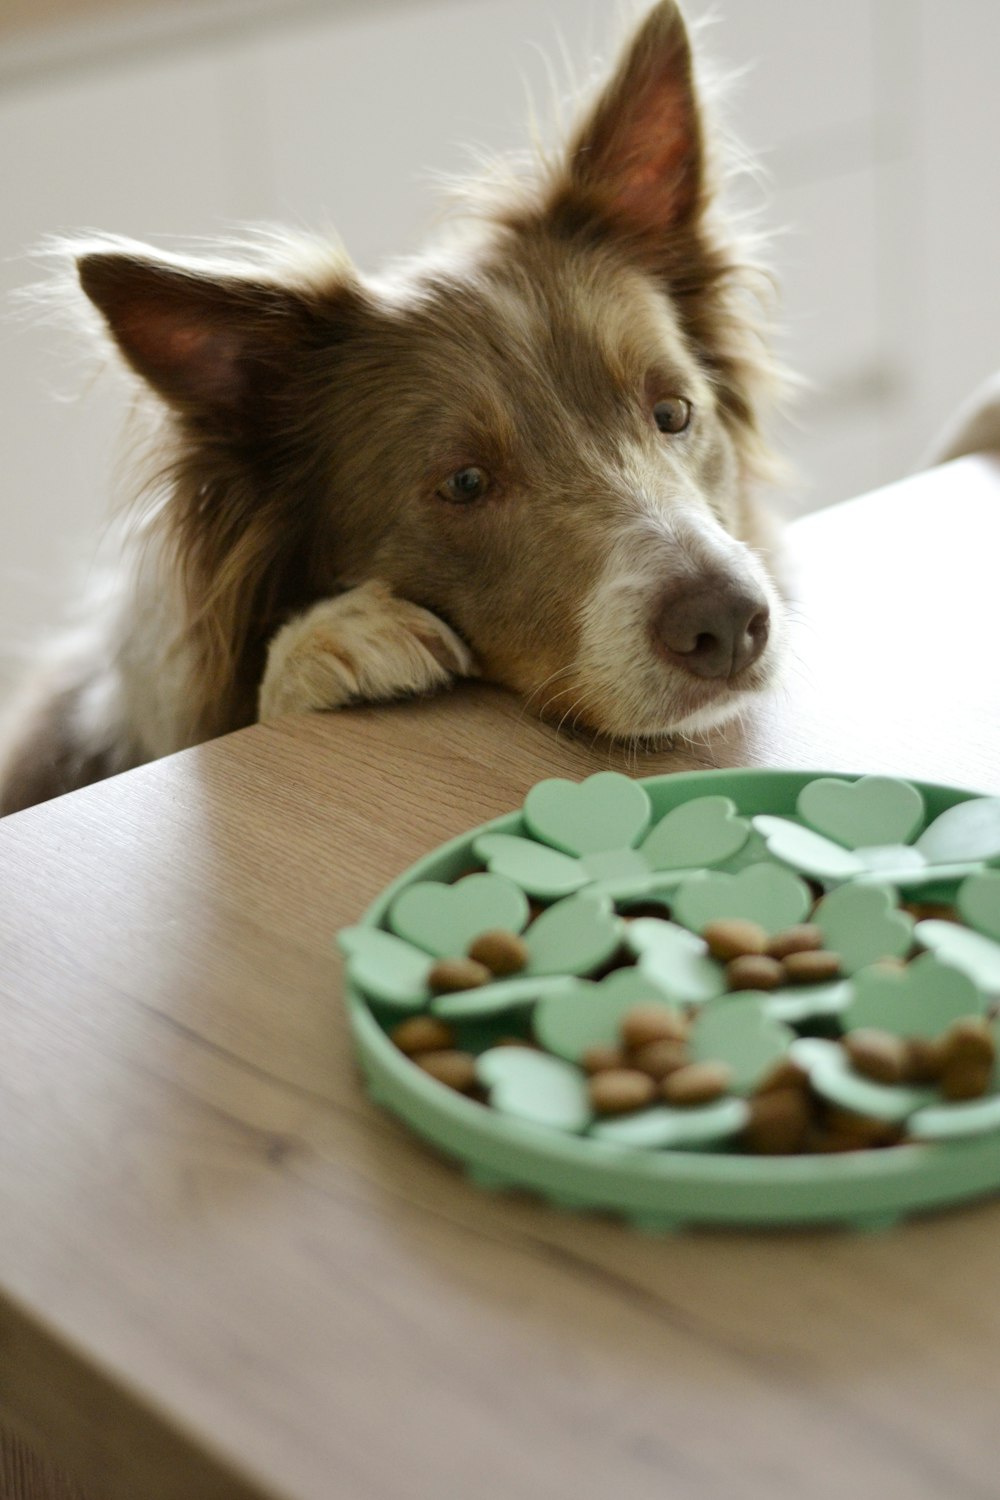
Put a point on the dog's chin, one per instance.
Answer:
(693, 708)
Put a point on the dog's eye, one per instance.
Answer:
(464, 485)
(673, 415)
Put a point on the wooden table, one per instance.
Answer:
(224, 1275)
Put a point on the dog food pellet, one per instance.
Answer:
(969, 1041)
(925, 1059)
(422, 1034)
(652, 1023)
(516, 1041)
(500, 951)
(619, 1090)
(931, 911)
(965, 1078)
(754, 971)
(660, 1058)
(813, 966)
(456, 1069)
(697, 1083)
(601, 1057)
(804, 938)
(786, 1074)
(877, 1054)
(732, 937)
(449, 975)
(779, 1122)
(865, 1129)
(823, 1141)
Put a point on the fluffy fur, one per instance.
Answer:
(301, 544)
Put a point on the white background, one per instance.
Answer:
(876, 122)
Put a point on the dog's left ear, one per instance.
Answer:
(635, 165)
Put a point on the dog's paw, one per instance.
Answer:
(366, 645)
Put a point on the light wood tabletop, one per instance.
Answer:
(225, 1275)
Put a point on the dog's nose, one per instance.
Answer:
(715, 629)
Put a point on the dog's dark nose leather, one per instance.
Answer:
(715, 629)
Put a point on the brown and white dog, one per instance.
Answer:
(527, 455)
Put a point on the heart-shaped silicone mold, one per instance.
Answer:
(739, 1031)
(589, 1014)
(949, 1122)
(975, 955)
(871, 810)
(863, 924)
(606, 811)
(518, 993)
(806, 850)
(978, 902)
(766, 894)
(576, 936)
(663, 1126)
(537, 869)
(703, 832)
(616, 865)
(921, 1000)
(967, 831)
(809, 1002)
(444, 919)
(534, 1086)
(386, 968)
(675, 960)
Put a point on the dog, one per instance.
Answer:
(531, 454)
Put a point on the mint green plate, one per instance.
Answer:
(665, 1189)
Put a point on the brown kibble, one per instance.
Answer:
(500, 951)
(456, 1069)
(449, 975)
(811, 967)
(754, 971)
(877, 1054)
(823, 1142)
(931, 911)
(969, 1040)
(422, 1034)
(865, 1129)
(619, 1090)
(779, 1122)
(515, 1041)
(697, 1083)
(786, 1074)
(806, 937)
(601, 1057)
(925, 1059)
(652, 1022)
(660, 1058)
(966, 1078)
(732, 937)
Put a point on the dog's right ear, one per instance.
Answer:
(209, 342)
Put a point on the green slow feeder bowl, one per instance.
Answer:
(664, 1189)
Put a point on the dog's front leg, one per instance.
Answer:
(364, 646)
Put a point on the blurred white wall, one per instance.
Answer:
(876, 124)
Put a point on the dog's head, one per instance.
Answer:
(546, 432)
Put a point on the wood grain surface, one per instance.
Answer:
(224, 1275)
